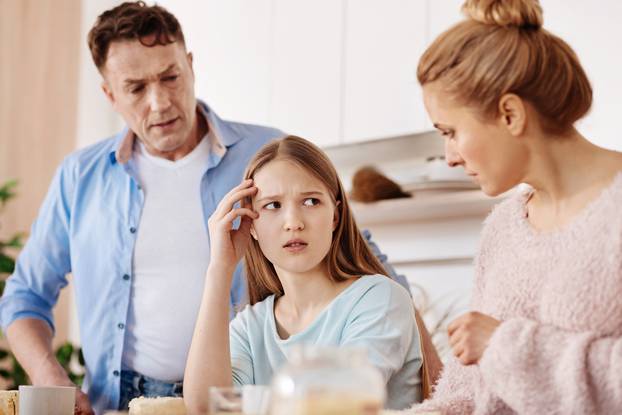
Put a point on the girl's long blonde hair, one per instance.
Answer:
(502, 48)
(349, 256)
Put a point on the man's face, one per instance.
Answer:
(152, 88)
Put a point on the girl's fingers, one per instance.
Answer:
(234, 196)
(228, 219)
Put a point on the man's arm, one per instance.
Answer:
(31, 342)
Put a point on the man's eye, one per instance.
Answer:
(272, 205)
(137, 89)
(171, 78)
(311, 201)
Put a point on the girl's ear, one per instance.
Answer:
(253, 233)
(336, 215)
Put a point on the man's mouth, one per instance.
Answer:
(166, 123)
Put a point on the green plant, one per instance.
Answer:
(7, 262)
(67, 354)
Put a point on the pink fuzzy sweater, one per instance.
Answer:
(559, 297)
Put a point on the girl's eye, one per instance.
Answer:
(272, 205)
(311, 201)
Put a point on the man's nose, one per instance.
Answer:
(158, 99)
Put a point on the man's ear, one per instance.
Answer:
(108, 92)
(253, 233)
(336, 215)
(190, 58)
(513, 113)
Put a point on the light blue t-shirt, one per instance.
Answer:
(374, 313)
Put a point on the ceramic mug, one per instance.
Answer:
(47, 400)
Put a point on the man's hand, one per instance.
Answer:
(469, 335)
(83, 406)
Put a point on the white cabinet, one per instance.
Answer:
(306, 73)
(593, 30)
(383, 42)
(231, 45)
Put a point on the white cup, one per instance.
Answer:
(47, 400)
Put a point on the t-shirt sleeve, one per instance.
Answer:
(383, 323)
(239, 346)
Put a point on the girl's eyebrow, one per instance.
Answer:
(309, 193)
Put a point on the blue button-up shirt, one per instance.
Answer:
(87, 226)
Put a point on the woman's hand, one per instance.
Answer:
(227, 246)
(469, 335)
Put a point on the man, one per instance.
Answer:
(127, 216)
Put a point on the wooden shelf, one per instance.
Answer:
(425, 206)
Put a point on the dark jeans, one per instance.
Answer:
(134, 385)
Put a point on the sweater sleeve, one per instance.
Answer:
(537, 368)
(453, 393)
(455, 390)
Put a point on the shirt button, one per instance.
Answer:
(126, 277)
(121, 326)
(116, 373)
(133, 229)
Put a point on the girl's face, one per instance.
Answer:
(486, 150)
(296, 217)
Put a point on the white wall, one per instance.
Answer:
(96, 119)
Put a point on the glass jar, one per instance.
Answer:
(327, 381)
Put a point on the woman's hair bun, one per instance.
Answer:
(524, 14)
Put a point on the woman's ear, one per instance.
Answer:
(336, 215)
(513, 113)
(253, 233)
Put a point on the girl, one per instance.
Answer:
(546, 333)
(311, 280)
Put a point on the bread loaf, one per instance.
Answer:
(157, 406)
(9, 402)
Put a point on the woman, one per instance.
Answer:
(545, 336)
(311, 280)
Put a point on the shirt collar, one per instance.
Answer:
(220, 137)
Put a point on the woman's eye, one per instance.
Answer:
(447, 133)
(272, 205)
(311, 201)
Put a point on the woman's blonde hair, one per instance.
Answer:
(502, 48)
(349, 256)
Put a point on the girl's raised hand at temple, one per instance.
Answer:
(228, 245)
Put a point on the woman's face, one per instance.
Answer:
(297, 217)
(486, 150)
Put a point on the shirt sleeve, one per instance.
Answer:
(399, 278)
(383, 322)
(240, 350)
(238, 296)
(41, 268)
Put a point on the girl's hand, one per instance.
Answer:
(469, 336)
(227, 246)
